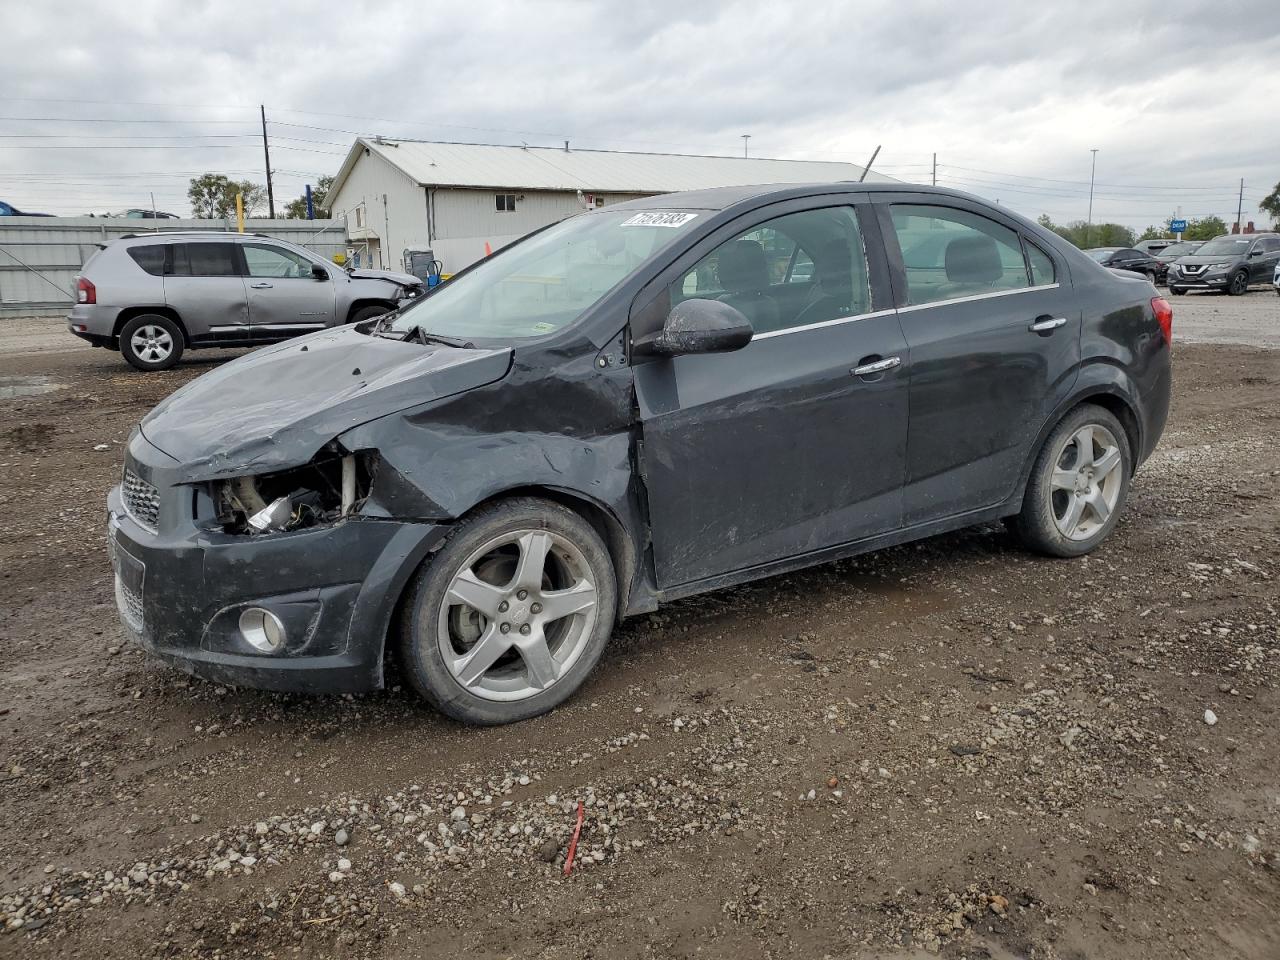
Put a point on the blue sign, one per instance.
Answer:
(1177, 226)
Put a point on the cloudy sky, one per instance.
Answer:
(102, 105)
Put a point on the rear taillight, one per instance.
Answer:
(1164, 316)
(86, 292)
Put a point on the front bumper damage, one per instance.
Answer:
(182, 584)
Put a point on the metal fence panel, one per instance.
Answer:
(40, 257)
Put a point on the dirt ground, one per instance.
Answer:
(949, 748)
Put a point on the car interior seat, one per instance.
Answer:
(973, 266)
(744, 275)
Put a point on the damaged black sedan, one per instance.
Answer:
(638, 404)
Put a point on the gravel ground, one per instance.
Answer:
(949, 748)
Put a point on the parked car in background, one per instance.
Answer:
(640, 403)
(154, 295)
(1231, 262)
(1275, 279)
(1131, 259)
(8, 210)
(138, 213)
(1153, 247)
(1177, 251)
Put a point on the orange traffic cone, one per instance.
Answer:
(488, 251)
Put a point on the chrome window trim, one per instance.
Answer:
(978, 296)
(821, 324)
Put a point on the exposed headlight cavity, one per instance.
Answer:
(333, 485)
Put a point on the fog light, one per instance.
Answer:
(262, 629)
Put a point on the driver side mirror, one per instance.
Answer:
(318, 272)
(699, 326)
(1255, 253)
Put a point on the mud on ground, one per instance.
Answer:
(949, 748)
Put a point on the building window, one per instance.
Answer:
(359, 216)
(506, 202)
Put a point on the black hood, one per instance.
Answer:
(276, 407)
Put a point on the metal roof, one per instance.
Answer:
(605, 171)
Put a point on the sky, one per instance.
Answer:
(103, 105)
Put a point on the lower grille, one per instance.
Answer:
(129, 604)
(141, 500)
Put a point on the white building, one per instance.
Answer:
(461, 199)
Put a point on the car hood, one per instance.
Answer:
(276, 407)
(404, 279)
(1195, 258)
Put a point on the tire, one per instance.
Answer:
(151, 342)
(368, 313)
(1045, 523)
(510, 559)
(1176, 291)
(1239, 284)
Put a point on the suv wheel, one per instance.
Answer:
(151, 342)
(1239, 284)
(507, 619)
(368, 313)
(1078, 484)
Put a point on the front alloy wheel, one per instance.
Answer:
(1239, 284)
(510, 616)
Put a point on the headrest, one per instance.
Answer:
(743, 267)
(973, 260)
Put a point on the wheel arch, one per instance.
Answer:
(357, 305)
(1112, 396)
(130, 313)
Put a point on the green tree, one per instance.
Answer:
(1086, 235)
(1204, 228)
(1156, 233)
(1271, 204)
(297, 209)
(213, 196)
(207, 195)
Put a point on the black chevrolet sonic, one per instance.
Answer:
(644, 402)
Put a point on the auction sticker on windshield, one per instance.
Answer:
(658, 220)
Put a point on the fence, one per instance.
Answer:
(41, 256)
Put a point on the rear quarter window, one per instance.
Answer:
(150, 258)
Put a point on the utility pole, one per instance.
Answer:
(266, 154)
(1093, 169)
(745, 138)
(1240, 209)
(935, 169)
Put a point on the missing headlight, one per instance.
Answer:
(333, 485)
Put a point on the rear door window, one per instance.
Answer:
(204, 260)
(150, 258)
(1042, 271)
(950, 253)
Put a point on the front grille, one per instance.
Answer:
(1192, 269)
(141, 500)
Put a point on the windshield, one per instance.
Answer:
(1225, 246)
(1101, 253)
(547, 281)
(1179, 249)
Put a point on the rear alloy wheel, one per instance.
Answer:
(510, 616)
(1078, 484)
(1239, 284)
(151, 342)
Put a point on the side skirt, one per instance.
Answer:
(841, 551)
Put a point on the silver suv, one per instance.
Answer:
(155, 295)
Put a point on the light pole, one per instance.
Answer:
(745, 138)
(1093, 169)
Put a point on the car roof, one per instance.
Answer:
(721, 198)
(198, 235)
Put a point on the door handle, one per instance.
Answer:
(876, 366)
(1047, 324)
(260, 286)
